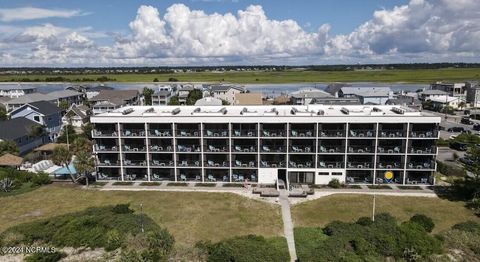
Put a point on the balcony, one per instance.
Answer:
(423, 150)
(188, 133)
(189, 163)
(239, 163)
(102, 148)
(242, 177)
(191, 148)
(423, 134)
(332, 133)
(301, 133)
(269, 149)
(216, 133)
(239, 148)
(133, 132)
(360, 149)
(331, 149)
(422, 165)
(300, 149)
(212, 163)
(162, 163)
(108, 162)
(160, 133)
(391, 133)
(106, 133)
(362, 133)
(245, 133)
(323, 164)
(211, 148)
(157, 148)
(273, 133)
(390, 150)
(359, 165)
(300, 164)
(127, 162)
(390, 165)
(272, 164)
(134, 148)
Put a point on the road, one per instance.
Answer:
(452, 121)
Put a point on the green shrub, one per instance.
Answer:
(41, 179)
(114, 240)
(122, 183)
(379, 187)
(335, 183)
(450, 170)
(233, 185)
(177, 184)
(424, 221)
(205, 184)
(468, 226)
(45, 257)
(122, 209)
(150, 183)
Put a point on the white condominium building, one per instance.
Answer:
(297, 144)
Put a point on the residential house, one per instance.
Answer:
(226, 92)
(473, 93)
(209, 101)
(248, 99)
(77, 116)
(68, 96)
(162, 95)
(307, 95)
(334, 88)
(451, 101)
(14, 91)
(183, 92)
(432, 93)
(405, 100)
(452, 89)
(22, 131)
(44, 113)
(18, 102)
(109, 100)
(367, 95)
(336, 101)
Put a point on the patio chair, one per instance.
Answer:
(198, 178)
(211, 178)
(156, 162)
(266, 148)
(251, 163)
(238, 163)
(265, 133)
(296, 149)
(379, 180)
(308, 164)
(253, 178)
(209, 133)
(106, 162)
(170, 163)
(197, 163)
(157, 133)
(264, 163)
(424, 180)
(369, 133)
(322, 164)
(127, 132)
(350, 179)
(183, 133)
(396, 149)
(183, 177)
(294, 133)
(236, 133)
(322, 149)
(156, 177)
(210, 163)
(238, 149)
(250, 133)
(293, 164)
(235, 177)
(184, 163)
(240, 178)
(224, 133)
(353, 133)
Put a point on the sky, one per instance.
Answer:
(59, 33)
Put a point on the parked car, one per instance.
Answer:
(456, 129)
(466, 121)
(465, 160)
(476, 127)
(458, 146)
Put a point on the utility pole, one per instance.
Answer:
(141, 218)
(373, 209)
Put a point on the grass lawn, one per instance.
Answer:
(26, 187)
(349, 208)
(189, 216)
(412, 76)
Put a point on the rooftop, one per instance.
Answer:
(29, 98)
(260, 111)
(10, 160)
(310, 93)
(366, 91)
(117, 97)
(15, 87)
(248, 99)
(64, 93)
(434, 92)
(16, 128)
(208, 101)
(221, 88)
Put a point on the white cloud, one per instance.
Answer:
(31, 13)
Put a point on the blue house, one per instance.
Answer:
(44, 113)
(22, 131)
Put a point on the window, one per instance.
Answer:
(323, 173)
(337, 173)
(36, 118)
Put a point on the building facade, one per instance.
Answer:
(14, 91)
(473, 94)
(297, 144)
(453, 89)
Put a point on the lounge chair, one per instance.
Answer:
(211, 178)
(238, 149)
(127, 133)
(296, 149)
(209, 133)
(266, 148)
(294, 133)
(183, 177)
(210, 163)
(236, 133)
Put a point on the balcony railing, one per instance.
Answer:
(160, 132)
(301, 133)
(245, 133)
(273, 133)
(133, 132)
(192, 148)
(188, 163)
(187, 133)
(421, 165)
(211, 148)
(245, 148)
(127, 162)
(423, 150)
(241, 178)
(332, 133)
(166, 163)
(105, 148)
(132, 148)
(390, 165)
(239, 163)
(423, 134)
(108, 162)
(390, 149)
(392, 133)
(216, 133)
(359, 165)
(300, 164)
(331, 149)
(422, 180)
(300, 149)
(323, 164)
(211, 163)
(104, 133)
(272, 149)
(360, 149)
(272, 164)
(157, 148)
(362, 133)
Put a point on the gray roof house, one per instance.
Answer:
(367, 95)
(28, 98)
(77, 116)
(20, 130)
(109, 100)
(69, 96)
(307, 95)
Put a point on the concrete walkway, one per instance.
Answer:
(288, 224)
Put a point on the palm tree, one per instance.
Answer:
(84, 163)
(61, 156)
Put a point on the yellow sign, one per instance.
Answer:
(388, 175)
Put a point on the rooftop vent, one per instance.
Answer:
(272, 111)
(223, 111)
(127, 111)
(176, 111)
(150, 110)
(321, 112)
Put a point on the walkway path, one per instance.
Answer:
(288, 224)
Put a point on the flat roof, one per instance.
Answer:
(263, 111)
